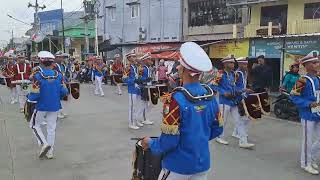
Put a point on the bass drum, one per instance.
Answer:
(146, 165)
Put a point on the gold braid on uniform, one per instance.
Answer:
(171, 116)
(298, 87)
(219, 118)
(217, 79)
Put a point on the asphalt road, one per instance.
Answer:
(93, 143)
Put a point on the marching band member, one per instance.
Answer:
(22, 72)
(47, 89)
(224, 83)
(60, 66)
(191, 118)
(306, 94)
(133, 91)
(117, 69)
(9, 73)
(99, 71)
(146, 79)
(241, 129)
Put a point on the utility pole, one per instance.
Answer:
(63, 38)
(36, 20)
(12, 43)
(88, 9)
(96, 12)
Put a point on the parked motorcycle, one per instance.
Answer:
(284, 108)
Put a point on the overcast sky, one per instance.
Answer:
(19, 10)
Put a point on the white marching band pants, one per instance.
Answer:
(145, 109)
(22, 95)
(98, 84)
(168, 175)
(13, 94)
(310, 149)
(133, 109)
(241, 123)
(37, 119)
(119, 88)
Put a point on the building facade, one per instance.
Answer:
(127, 24)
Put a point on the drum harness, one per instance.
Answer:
(195, 99)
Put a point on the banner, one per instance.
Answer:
(297, 48)
(270, 48)
(237, 48)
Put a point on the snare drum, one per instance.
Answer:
(117, 78)
(146, 165)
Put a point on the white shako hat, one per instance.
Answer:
(131, 53)
(229, 58)
(146, 56)
(194, 58)
(46, 56)
(242, 60)
(313, 56)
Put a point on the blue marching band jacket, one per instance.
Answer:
(132, 79)
(146, 75)
(229, 83)
(48, 88)
(187, 127)
(61, 68)
(306, 91)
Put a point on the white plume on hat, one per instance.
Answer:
(194, 58)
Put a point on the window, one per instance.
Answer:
(208, 12)
(312, 11)
(135, 11)
(275, 14)
(112, 14)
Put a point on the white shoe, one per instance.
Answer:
(235, 135)
(147, 122)
(133, 127)
(119, 94)
(12, 102)
(311, 170)
(139, 124)
(22, 110)
(44, 150)
(50, 155)
(101, 95)
(222, 141)
(315, 166)
(61, 116)
(246, 145)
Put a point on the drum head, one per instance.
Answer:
(252, 107)
(75, 90)
(264, 99)
(154, 93)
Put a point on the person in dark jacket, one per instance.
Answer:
(262, 75)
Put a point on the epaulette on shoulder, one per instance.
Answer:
(167, 97)
(302, 80)
(298, 87)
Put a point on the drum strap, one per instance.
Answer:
(194, 99)
(55, 76)
(22, 72)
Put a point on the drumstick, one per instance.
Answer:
(138, 139)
